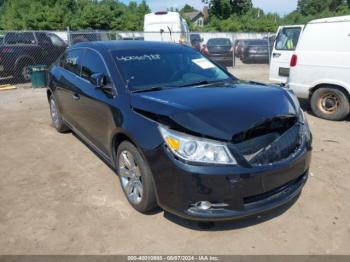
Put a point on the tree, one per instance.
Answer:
(224, 8)
(187, 9)
(77, 14)
(313, 7)
(241, 6)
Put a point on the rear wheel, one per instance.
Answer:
(22, 71)
(330, 103)
(135, 178)
(56, 118)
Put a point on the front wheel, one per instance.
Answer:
(330, 103)
(135, 178)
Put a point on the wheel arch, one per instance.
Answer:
(117, 139)
(330, 85)
(24, 58)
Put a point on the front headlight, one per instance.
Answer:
(305, 130)
(196, 149)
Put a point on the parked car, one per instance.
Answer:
(320, 67)
(166, 27)
(78, 37)
(192, 138)
(219, 50)
(21, 49)
(196, 41)
(255, 51)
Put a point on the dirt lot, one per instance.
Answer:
(58, 197)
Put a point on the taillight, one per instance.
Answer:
(293, 60)
(205, 50)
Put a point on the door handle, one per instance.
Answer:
(76, 96)
(276, 55)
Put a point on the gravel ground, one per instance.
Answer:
(58, 197)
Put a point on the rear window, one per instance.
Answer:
(219, 41)
(288, 38)
(195, 38)
(257, 42)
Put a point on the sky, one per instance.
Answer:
(282, 7)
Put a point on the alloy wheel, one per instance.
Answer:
(25, 73)
(130, 175)
(54, 113)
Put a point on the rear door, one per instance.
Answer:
(68, 85)
(283, 49)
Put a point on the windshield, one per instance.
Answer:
(168, 67)
(257, 42)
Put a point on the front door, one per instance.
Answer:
(95, 110)
(283, 49)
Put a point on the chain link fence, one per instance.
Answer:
(19, 50)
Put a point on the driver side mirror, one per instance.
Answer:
(98, 80)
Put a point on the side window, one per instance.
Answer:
(92, 63)
(287, 38)
(10, 38)
(26, 38)
(71, 61)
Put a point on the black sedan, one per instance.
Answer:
(219, 50)
(181, 132)
(255, 51)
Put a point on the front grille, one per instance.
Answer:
(279, 149)
(272, 147)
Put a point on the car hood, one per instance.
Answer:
(217, 112)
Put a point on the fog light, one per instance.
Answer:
(203, 205)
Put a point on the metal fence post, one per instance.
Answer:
(268, 46)
(234, 50)
(68, 36)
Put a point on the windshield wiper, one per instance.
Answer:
(154, 88)
(206, 82)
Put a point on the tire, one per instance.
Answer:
(22, 71)
(56, 117)
(330, 103)
(244, 60)
(134, 173)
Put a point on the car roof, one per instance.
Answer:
(331, 19)
(127, 45)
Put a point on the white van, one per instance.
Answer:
(320, 67)
(166, 26)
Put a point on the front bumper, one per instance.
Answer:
(244, 191)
